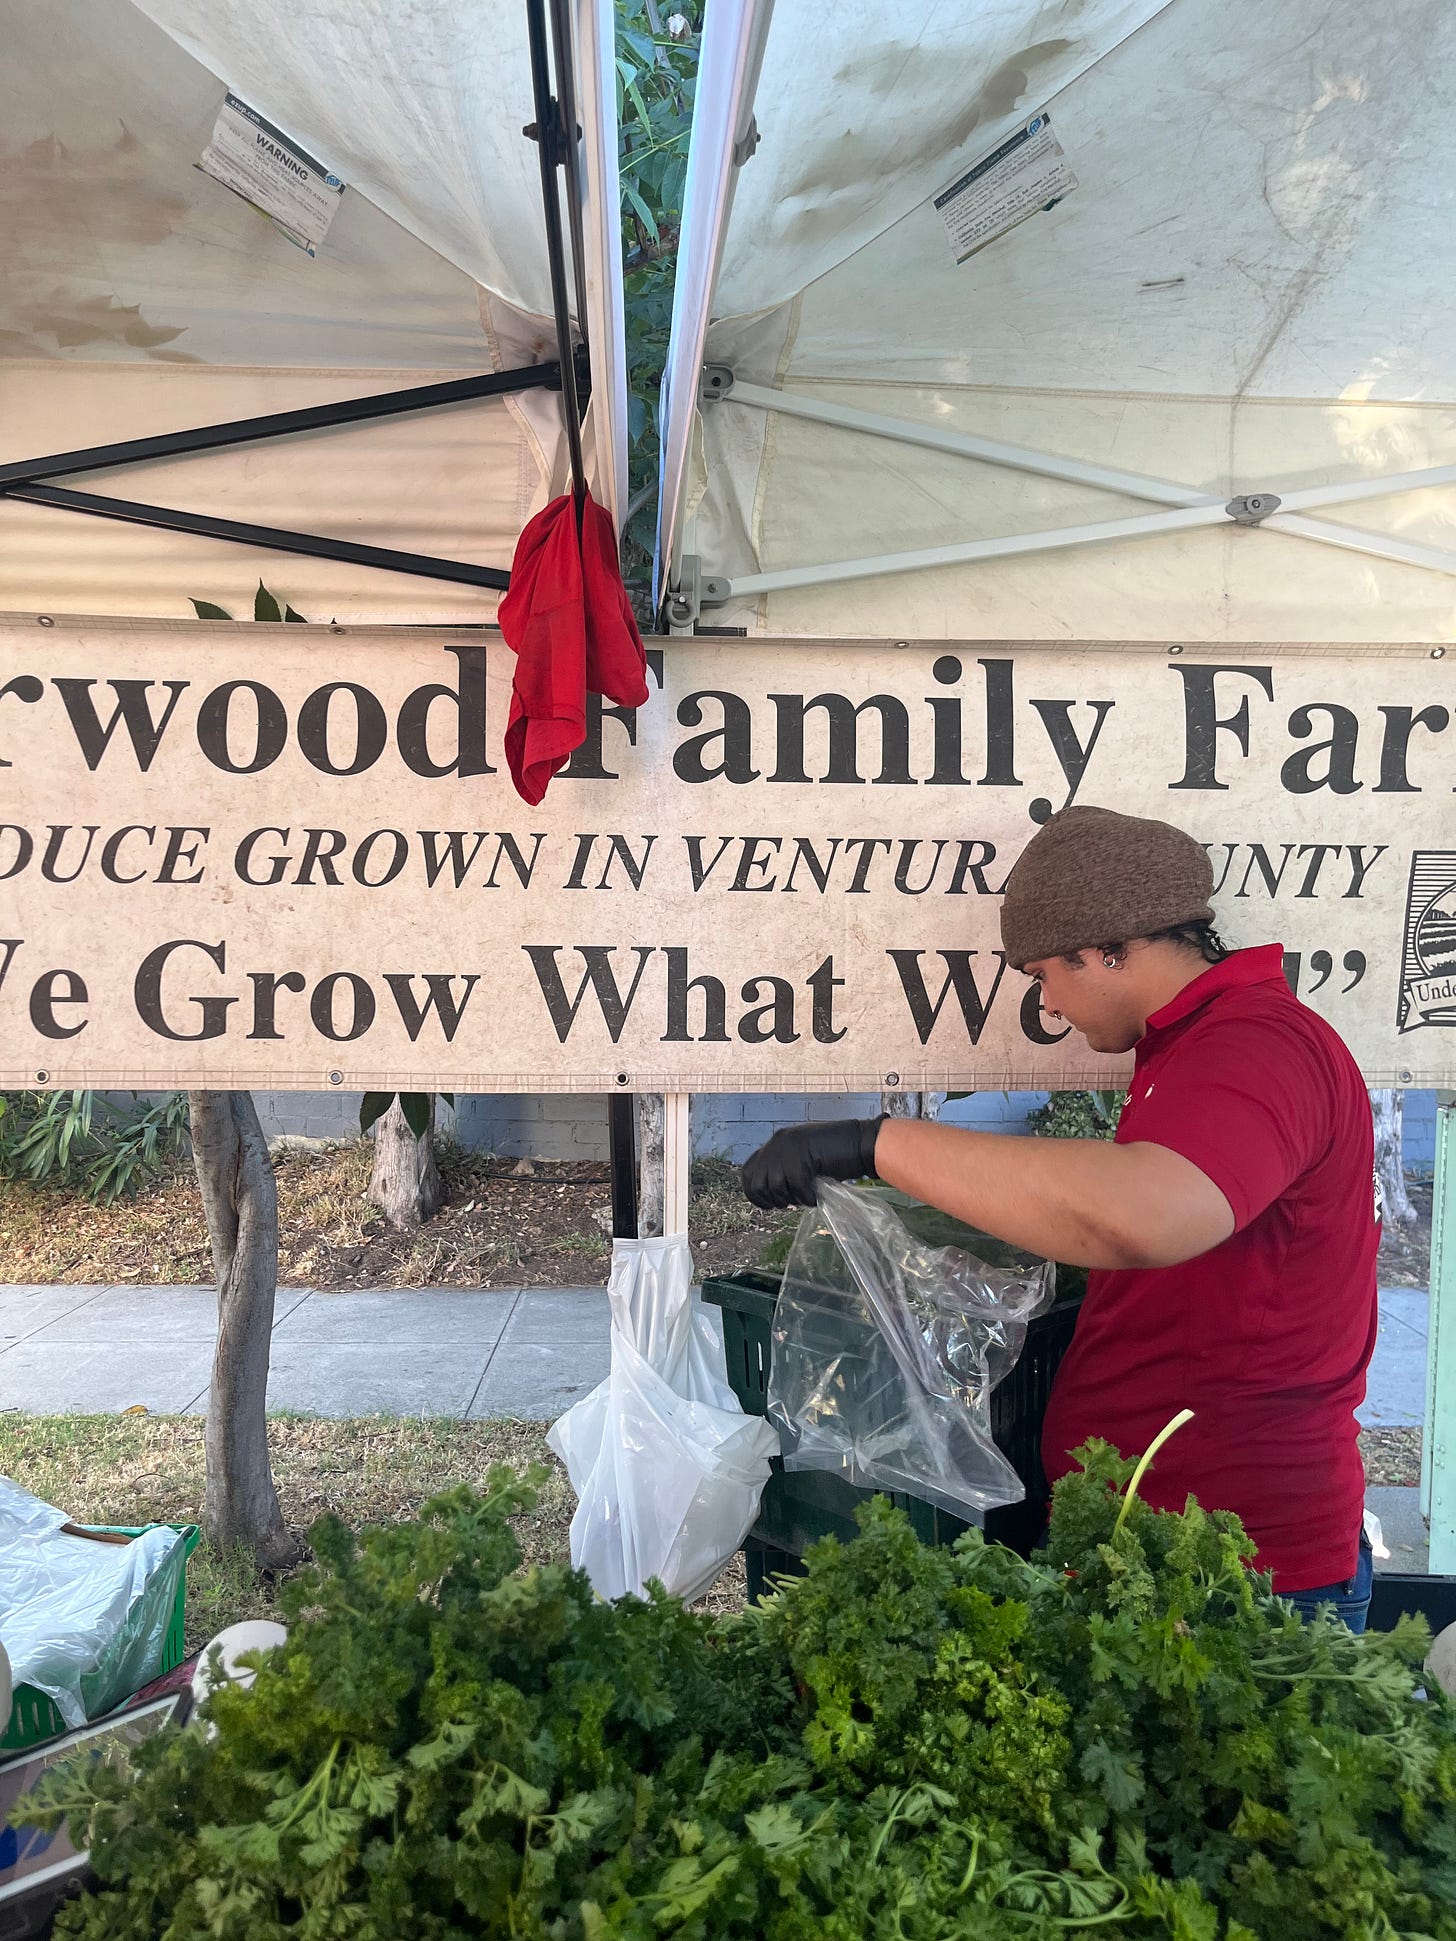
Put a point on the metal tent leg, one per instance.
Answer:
(1438, 1460)
(676, 1161)
(622, 1145)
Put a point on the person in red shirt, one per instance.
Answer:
(1231, 1227)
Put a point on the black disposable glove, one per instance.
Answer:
(787, 1169)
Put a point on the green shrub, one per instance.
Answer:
(1078, 1115)
(88, 1141)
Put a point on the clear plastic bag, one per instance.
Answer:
(666, 1466)
(69, 1604)
(886, 1349)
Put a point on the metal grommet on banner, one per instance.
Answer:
(624, 1078)
(41, 1077)
(44, 620)
(892, 1078)
(336, 1078)
(1438, 653)
(1176, 648)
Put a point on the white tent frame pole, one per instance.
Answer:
(1141, 526)
(677, 1159)
(964, 444)
(594, 24)
(724, 138)
(1438, 1455)
(1137, 485)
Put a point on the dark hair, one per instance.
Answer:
(1200, 938)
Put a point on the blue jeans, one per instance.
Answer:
(1351, 1598)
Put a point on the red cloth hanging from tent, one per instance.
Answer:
(568, 619)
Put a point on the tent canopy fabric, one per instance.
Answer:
(141, 296)
(1248, 289)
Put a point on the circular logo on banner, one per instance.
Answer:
(1435, 939)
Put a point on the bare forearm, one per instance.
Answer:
(1083, 1201)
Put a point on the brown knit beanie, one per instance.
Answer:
(1091, 876)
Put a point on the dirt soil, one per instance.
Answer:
(1392, 1456)
(1405, 1252)
(506, 1223)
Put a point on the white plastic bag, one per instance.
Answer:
(666, 1466)
(886, 1349)
(64, 1601)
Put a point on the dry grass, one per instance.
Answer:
(139, 1469)
(120, 1469)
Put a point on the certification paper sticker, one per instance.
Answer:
(1027, 172)
(261, 164)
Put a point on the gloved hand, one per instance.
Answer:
(787, 1169)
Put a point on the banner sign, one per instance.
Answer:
(286, 856)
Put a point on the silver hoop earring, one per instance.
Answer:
(1111, 960)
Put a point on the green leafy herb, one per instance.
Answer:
(1125, 1734)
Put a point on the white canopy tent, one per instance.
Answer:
(1202, 388)
(141, 297)
(1246, 292)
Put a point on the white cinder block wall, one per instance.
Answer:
(567, 1126)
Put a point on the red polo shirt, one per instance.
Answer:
(1268, 1336)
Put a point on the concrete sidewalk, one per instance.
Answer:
(1396, 1395)
(448, 1351)
(419, 1351)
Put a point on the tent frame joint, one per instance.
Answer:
(691, 592)
(717, 383)
(746, 146)
(684, 599)
(559, 146)
(1253, 508)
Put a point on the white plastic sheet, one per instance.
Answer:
(65, 1599)
(667, 1468)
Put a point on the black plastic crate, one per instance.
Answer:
(800, 1506)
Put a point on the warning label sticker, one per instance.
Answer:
(267, 168)
(1028, 172)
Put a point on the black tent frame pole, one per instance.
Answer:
(274, 538)
(556, 136)
(280, 424)
(24, 478)
(622, 1148)
(571, 157)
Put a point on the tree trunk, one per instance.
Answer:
(1388, 1110)
(240, 1200)
(912, 1105)
(405, 1183)
(651, 1176)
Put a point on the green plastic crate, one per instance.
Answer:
(34, 1717)
(800, 1506)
